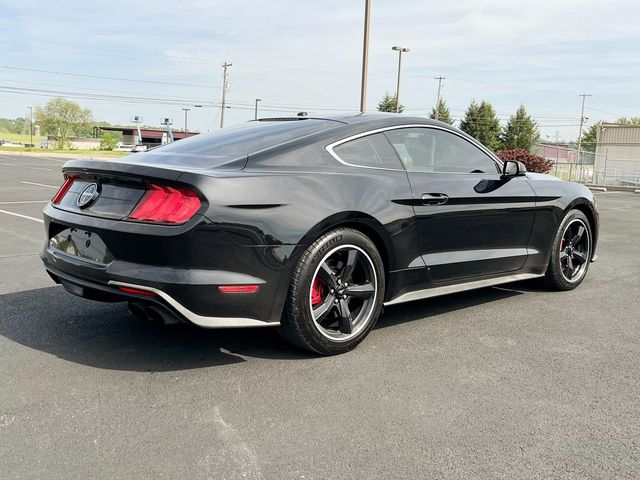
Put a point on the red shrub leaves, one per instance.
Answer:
(534, 163)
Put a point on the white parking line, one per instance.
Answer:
(25, 201)
(22, 216)
(41, 185)
(26, 166)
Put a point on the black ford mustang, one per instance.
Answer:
(312, 225)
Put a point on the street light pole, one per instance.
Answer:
(186, 111)
(365, 56)
(400, 51)
(255, 116)
(31, 124)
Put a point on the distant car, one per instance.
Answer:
(124, 147)
(140, 148)
(312, 225)
(9, 143)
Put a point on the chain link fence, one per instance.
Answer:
(589, 168)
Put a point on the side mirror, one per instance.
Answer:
(513, 168)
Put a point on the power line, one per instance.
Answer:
(101, 77)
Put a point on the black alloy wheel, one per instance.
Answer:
(336, 293)
(571, 252)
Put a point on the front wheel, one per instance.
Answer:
(336, 293)
(571, 252)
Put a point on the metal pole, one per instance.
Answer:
(31, 124)
(186, 110)
(440, 79)
(400, 51)
(606, 156)
(256, 109)
(398, 84)
(582, 120)
(223, 105)
(365, 56)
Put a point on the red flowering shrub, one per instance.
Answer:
(534, 163)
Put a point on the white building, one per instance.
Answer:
(617, 159)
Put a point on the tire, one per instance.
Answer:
(336, 293)
(570, 252)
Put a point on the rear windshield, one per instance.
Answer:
(247, 138)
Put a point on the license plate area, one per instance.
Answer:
(81, 244)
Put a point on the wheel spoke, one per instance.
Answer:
(344, 320)
(322, 310)
(578, 236)
(352, 259)
(579, 257)
(365, 290)
(327, 275)
(563, 255)
(570, 268)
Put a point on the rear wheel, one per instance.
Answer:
(336, 293)
(570, 253)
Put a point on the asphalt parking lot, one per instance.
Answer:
(509, 382)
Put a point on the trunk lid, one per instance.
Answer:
(120, 185)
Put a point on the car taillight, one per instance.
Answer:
(164, 204)
(68, 181)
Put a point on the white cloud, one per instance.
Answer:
(540, 53)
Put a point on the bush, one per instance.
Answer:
(534, 163)
(109, 140)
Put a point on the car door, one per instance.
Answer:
(472, 221)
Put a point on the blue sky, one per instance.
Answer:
(305, 55)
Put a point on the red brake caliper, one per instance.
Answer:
(316, 291)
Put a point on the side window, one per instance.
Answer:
(433, 150)
(370, 151)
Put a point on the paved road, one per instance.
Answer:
(513, 382)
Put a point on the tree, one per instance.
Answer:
(629, 121)
(534, 163)
(441, 112)
(588, 143)
(482, 123)
(388, 104)
(62, 118)
(521, 131)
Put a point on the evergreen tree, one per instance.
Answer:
(482, 123)
(442, 112)
(388, 104)
(589, 138)
(521, 131)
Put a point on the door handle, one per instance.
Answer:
(434, 198)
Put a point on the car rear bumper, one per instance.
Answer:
(157, 297)
(175, 269)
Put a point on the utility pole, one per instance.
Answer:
(186, 111)
(225, 65)
(365, 56)
(31, 125)
(440, 79)
(255, 116)
(400, 51)
(582, 121)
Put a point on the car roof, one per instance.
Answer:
(359, 118)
